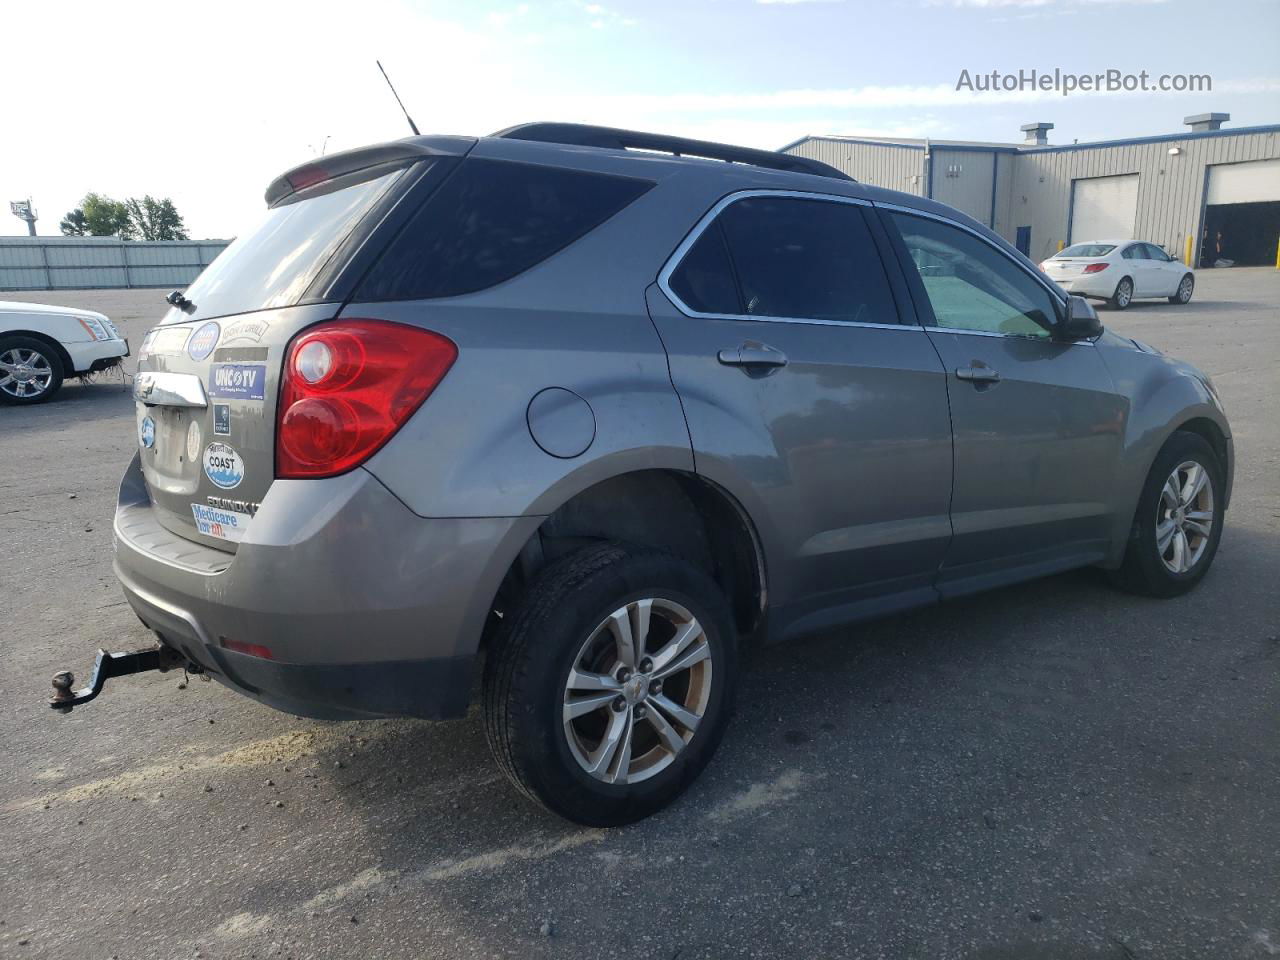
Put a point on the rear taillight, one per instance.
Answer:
(1096, 267)
(347, 387)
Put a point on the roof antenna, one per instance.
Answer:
(412, 126)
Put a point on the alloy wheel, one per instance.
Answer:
(1124, 293)
(1184, 517)
(1184, 289)
(637, 690)
(24, 373)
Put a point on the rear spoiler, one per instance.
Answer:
(397, 152)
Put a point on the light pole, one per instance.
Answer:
(23, 211)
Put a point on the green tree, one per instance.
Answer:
(74, 224)
(104, 217)
(154, 219)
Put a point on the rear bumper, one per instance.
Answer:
(1101, 285)
(366, 609)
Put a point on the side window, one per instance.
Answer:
(1155, 253)
(704, 280)
(806, 260)
(490, 221)
(1134, 251)
(973, 286)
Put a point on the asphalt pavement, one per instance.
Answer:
(1054, 770)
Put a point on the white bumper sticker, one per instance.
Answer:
(223, 524)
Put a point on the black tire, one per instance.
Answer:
(1123, 295)
(526, 674)
(1144, 569)
(28, 348)
(1186, 287)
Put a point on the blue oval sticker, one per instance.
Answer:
(203, 341)
(147, 432)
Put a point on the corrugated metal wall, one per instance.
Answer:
(1033, 186)
(963, 179)
(884, 165)
(70, 263)
(1170, 188)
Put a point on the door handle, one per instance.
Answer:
(978, 374)
(752, 355)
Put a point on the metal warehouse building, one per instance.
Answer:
(1203, 194)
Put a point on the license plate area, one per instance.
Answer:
(172, 461)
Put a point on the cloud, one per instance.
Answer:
(502, 18)
(792, 3)
(602, 16)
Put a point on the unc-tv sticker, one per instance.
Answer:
(203, 341)
(223, 465)
(223, 524)
(147, 432)
(238, 381)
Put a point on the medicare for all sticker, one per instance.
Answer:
(223, 524)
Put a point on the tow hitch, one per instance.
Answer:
(110, 665)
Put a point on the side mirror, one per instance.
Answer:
(1080, 323)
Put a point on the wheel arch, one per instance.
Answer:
(669, 509)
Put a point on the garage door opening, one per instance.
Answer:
(1246, 233)
(1242, 214)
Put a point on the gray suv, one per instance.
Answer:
(575, 412)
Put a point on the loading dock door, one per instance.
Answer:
(1103, 208)
(1242, 213)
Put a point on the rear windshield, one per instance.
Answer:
(1086, 250)
(273, 263)
(489, 221)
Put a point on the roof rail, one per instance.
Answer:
(584, 135)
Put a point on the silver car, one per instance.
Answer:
(577, 412)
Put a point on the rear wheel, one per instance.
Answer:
(1185, 288)
(30, 370)
(1123, 295)
(1178, 525)
(610, 688)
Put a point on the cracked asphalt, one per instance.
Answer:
(1051, 771)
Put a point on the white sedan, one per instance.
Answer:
(1120, 271)
(40, 346)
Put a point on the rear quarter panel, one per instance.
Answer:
(469, 452)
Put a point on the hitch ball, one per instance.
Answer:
(62, 683)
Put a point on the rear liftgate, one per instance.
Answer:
(110, 665)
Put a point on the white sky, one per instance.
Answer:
(207, 102)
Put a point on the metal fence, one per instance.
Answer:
(85, 263)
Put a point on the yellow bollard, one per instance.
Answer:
(1061, 245)
(1278, 254)
(1187, 258)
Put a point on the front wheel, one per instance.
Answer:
(1123, 295)
(1176, 530)
(30, 371)
(1185, 288)
(610, 688)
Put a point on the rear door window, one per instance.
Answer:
(272, 264)
(793, 258)
(490, 221)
